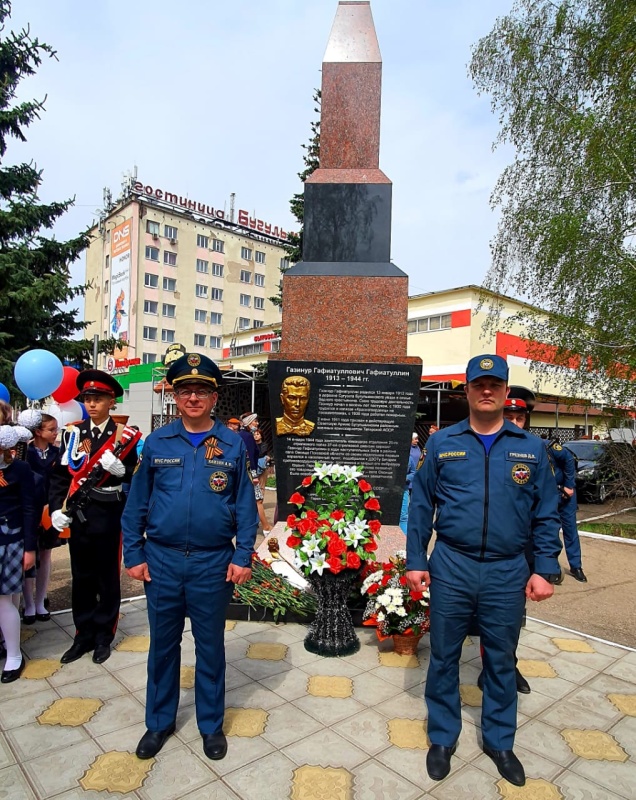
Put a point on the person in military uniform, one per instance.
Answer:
(95, 541)
(294, 396)
(489, 488)
(564, 467)
(190, 497)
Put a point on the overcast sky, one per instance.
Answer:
(209, 97)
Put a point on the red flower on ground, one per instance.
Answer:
(369, 547)
(353, 560)
(297, 499)
(336, 547)
(307, 481)
(365, 486)
(293, 541)
(337, 514)
(372, 504)
(335, 564)
(374, 526)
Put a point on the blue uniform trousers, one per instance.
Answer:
(494, 591)
(567, 512)
(404, 511)
(181, 584)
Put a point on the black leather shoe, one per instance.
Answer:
(43, 617)
(438, 761)
(523, 687)
(28, 619)
(152, 742)
(76, 651)
(508, 765)
(480, 680)
(557, 579)
(577, 572)
(214, 745)
(102, 653)
(10, 675)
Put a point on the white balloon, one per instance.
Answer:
(65, 413)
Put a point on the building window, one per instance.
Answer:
(106, 311)
(218, 245)
(169, 258)
(258, 323)
(244, 323)
(150, 333)
(215, 318)
(199, 340)
(284, 263)
(167, 336)
(246, 276)
(148, 358)
(244, 300)
(215, 342)
(217, 294)
(202, 266)
(152, 253)
(200, 315)
(106, 288)
(107, 265)
(170, 284)
(259, 280)
(151, 281)
(259, 303)
(247, 349)
(201, 291)
(203, 241)
(275, 346)
(170, 232)
(150, 306)
(217, 270)
(259, 257)
(246, 253)
(152, 227)
(435, 323)
(168, 310)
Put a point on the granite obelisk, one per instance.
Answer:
(344, 328)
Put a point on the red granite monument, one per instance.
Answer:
(344, 328)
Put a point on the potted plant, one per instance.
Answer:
(333, 534)
(396, 610)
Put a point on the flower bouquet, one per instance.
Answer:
(333, 533)
(267, 590)
(395, 609)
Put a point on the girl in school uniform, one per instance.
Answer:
(17, 541)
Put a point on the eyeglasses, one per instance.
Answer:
(200, 394)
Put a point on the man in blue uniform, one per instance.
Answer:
(490, 485)
(564, 467)
(191, 496)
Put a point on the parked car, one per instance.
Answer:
(603, 469)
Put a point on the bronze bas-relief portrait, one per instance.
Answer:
(294, 396)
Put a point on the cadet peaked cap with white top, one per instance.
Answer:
(194, 368)
(487, 365)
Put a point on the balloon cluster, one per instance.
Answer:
(39, 374)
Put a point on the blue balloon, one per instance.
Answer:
(38, 373)
(4, 393)
(84, 412)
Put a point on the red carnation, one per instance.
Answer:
(385, 579)
(369, 547)
(292, 521)
(373, 588)
(337, 514)
(293, 541)
(307, 481)
(335, 564)
(336, 547)
(365, 486)
(353, 560)
(416, 595)
(297, 499)
(402, 580)
(374, 526)
(372, 504)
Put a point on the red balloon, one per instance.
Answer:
(67, 390)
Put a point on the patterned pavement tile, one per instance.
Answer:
(134, 644)
(624, 670)
(326, 749)
(14, 785)
(253, 695)
(618, 777)
(287, 724)
(33, 740)
(373, 781)
(241, 751)
(116, 772)
(467, 784)
(6, 756)
(315, 783)
(536, 669)
(413, 763)
(259, 669)
(275, 634)
(403, 705)
(102, 687)
(328, 710)
(71, 711)
(269, 778)
(331, 666)
(79, 670)
(235, 678)
(407, 734)
(574, 786)
(61, 768)
(367, 730)
(570, 670)
(556, 688)
(135, 677)
(212, 791)
(573, 645)
(370, 690)
(570, 715)
(17, 712)
(37, 669)
(402, 678)
(595, 702)
(269, 651)
(605, 684)
(119, 712)
(247, 722)
(536, 766)
(625, 734)
(594, 745)
(175, 773)
(545, 741)
(128, 739)
(625, 703)
(290, 685)
(297, 655)
(535, 789)
(329, 686)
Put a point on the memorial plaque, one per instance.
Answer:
(343, 413)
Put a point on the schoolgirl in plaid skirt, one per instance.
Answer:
(17, 541)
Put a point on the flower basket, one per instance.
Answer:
(332, 632)
(405, 645)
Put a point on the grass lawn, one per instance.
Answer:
(622, 530)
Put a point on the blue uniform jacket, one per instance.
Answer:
(563, 464)
(487, 506)
(191, 498)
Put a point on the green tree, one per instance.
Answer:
(311, 159)
(34, 269)
(561, 75)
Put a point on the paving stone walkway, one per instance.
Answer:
(307, 728)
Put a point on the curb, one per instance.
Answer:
(604, 537)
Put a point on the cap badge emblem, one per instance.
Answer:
(194, 372)
(521, 473)
(194, 359)
(486, 363)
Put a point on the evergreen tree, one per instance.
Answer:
(34, 269)
(311, 159)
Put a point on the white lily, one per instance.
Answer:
(321, 471)
(311, 545)
(319, 564)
